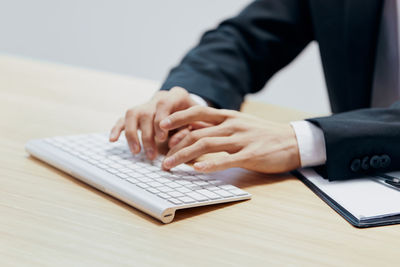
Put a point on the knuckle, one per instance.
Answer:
(183, 155)
(157, 120)
(130, 135)
(146, 141)
(191, 137)
(146, 137)
(228, 113)
(146, 114)
(204, 143)
(231, 125)
(129, 113)
(177, 89)
(161, 102)
(199, 109)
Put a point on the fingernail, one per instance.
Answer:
(112, 135)
(169, 162)
(149, 153)
(200, 165)
(165, 123)
(134, 148)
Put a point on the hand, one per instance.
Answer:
(252, 143)
(147, 118)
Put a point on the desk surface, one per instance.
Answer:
(48, 218)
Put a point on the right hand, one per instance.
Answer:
(147, 117)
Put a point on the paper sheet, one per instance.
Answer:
(364, 198)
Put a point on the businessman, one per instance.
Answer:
(359, 48)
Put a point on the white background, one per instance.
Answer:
(143, 39)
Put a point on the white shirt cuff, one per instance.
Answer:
(199, 100)
(311, 142)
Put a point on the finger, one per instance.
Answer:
(199, 125)
(193, 114)
(162, 111)
(177, 137)
(117, 129)
(201, 147)
(194, 136)
(220, 163)
(131, 123)
(146, 126)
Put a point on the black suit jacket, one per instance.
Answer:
(242, 53)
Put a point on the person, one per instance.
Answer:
(198, 102)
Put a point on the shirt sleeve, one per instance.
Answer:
(199, 100)
(311, 142)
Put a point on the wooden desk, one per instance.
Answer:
(50, 219)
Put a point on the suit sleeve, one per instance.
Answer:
(361, 142)
(242, 53)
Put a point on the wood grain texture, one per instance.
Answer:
(49, 218)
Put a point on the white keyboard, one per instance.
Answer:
(112, 168)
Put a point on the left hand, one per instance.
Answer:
(252, 143)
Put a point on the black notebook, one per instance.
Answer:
(363, 202)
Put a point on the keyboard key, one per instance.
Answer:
(142, 170)
(200, 183)
(165, 189)
(176, 194)
(223, 193)
(187, 200)
(142, 185)
(102, 166)
(125, 170)
(175, 201)
(238, 192)
(153, 190)
(132, 180)
(144, 179)
(162, 180)
(183, 182)
(122, 175)
(212, 188)
(182, 189)
(215, 182)
(154, 184)
(193, 187)
(227, 187)
(134, 174)
(111, 170)
(106, 161)
(153, 175)
(92, 161)
(197, 196)
(116, 166)
(208, 194)
(173, 185)
(163, 195)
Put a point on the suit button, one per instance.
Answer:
(375, 162)
(365, 163)
(355, 165)
(385, 161)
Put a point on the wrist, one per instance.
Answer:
(293, 149)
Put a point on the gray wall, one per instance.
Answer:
(143, 39)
